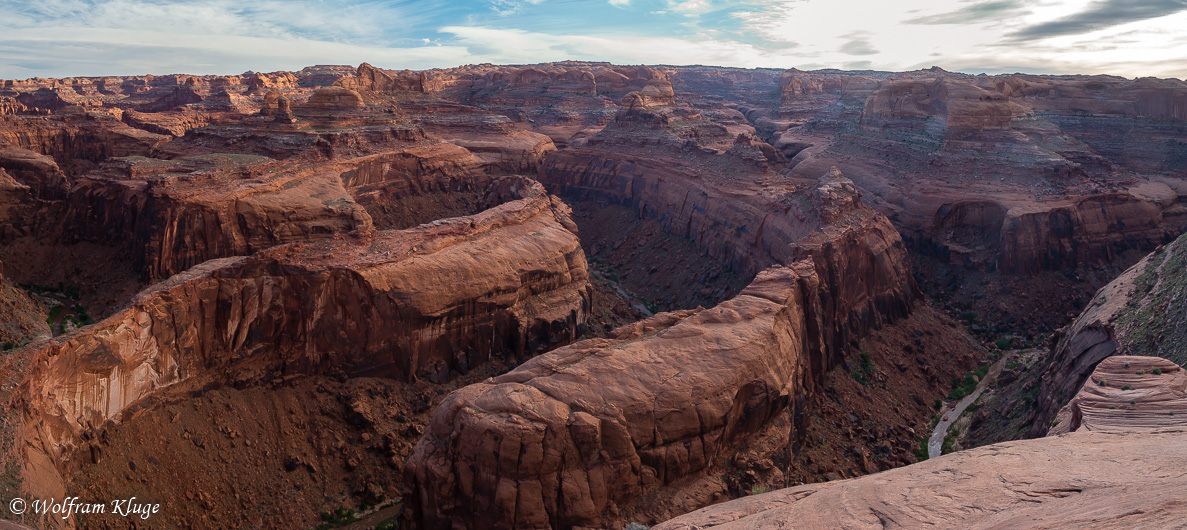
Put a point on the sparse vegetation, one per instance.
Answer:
(1150, 321)
(1126, 387)
(1157, 371)
(962, 387)
(339, 517)
(865, 371)
(949, 445)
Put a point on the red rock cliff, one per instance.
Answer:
(415, 303)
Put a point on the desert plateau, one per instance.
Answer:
(580, 294)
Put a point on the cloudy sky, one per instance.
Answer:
(56, 38)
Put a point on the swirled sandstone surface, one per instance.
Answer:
(1107, 467)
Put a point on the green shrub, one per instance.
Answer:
(962, 387)
(339, 517)
(1157, 371)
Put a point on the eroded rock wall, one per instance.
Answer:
(858, 253)
(1106, 466)
(572, 433)
(1139, 313)
(622, 424)
(422, 302)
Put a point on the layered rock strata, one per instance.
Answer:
(753, 223)
(1138, 313)
(524, 453)
(939, 151)
(1110, 470)
(422, 302)
(1127, 393)
(568, 435)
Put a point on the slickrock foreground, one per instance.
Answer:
(1114, 470)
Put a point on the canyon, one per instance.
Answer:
(577, 295)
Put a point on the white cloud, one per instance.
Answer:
(109, 37)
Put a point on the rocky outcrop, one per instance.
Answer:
(1045, 483)
(278, 106)
(334, 98)
(1139, 313)
(424, 302)
(1092, 231)
(39, 172)
(70, 139)
(751, 229)
(172, 223)
(567, 436)
(562, 459)
(1127, 394)
(634, 110)
(174, 123)
(958, 105)
(1080, 166)
(1109, 470)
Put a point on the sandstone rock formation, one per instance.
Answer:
(636, 435)
(508, 281)
(1136, 314)
(337, 231)
(544, 446)
(1090, 200)
(1110, 471)
(334, 98)
(1127, 394)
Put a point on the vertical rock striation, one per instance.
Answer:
(424, 302)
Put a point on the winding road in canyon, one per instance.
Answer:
(936, 442)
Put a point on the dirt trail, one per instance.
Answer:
(936, 442)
